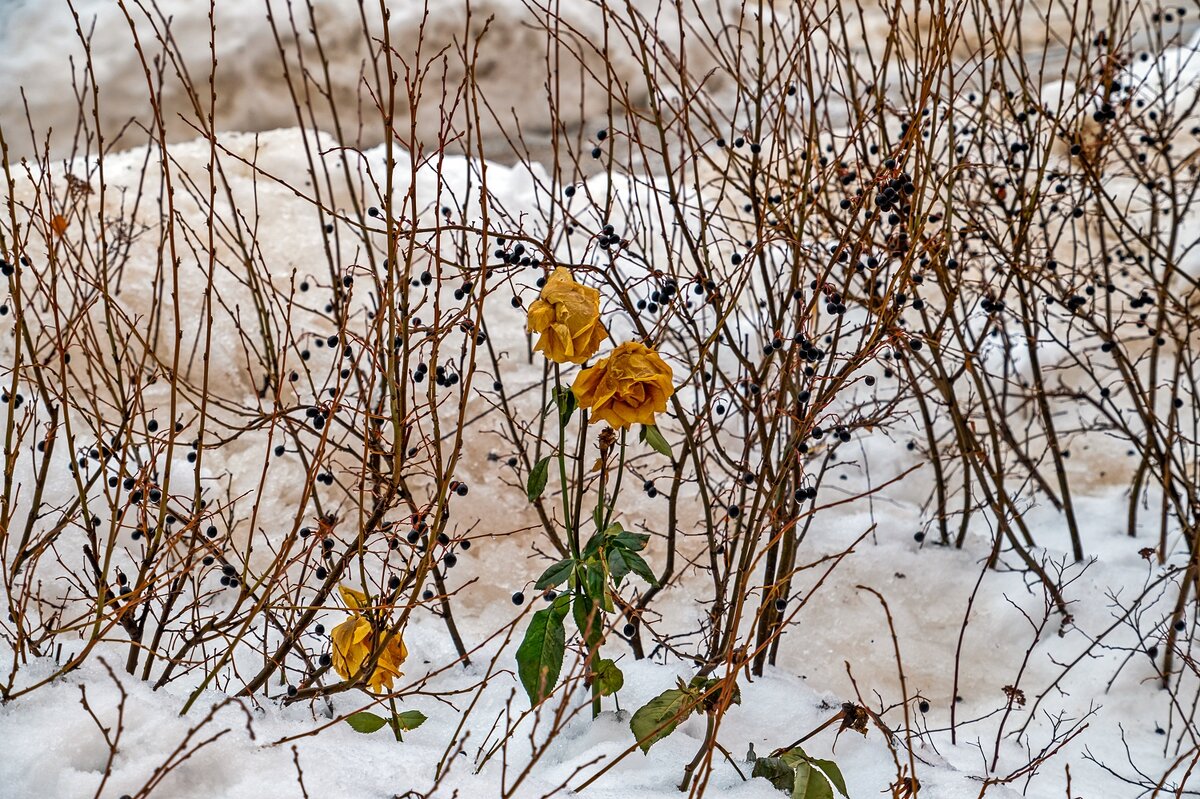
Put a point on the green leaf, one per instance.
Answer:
(774, 770)
(640, 567)
(618, 566)
(801, 776)
(537, 479)
(410, 719)
(594, 582)
(565, 398)
(555, 575)
(833, 773)
(593, 545)
(366, 722)
(634, 542)
(710, 690)
(587, 620)
(810, 784)
(659, 717)
(609, 678)
(793, 757)
(655, 439)
(540, 656)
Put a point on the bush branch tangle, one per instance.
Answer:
(759, 270)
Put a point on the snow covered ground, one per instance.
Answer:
(52, 748)
(1108, 702)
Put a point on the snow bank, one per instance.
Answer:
(53, 748)
(42, 53)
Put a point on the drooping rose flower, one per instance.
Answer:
(354, 641)
(628, 387)
(567, 317)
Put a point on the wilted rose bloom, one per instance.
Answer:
(355, 639)
(567, 315)
(630, 386)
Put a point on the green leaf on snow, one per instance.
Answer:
(540, 656)
(659, 717)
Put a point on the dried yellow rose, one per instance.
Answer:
(630, 386)
(354, 641)
(567, 315)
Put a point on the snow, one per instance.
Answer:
(52, 747)
(510, 67)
